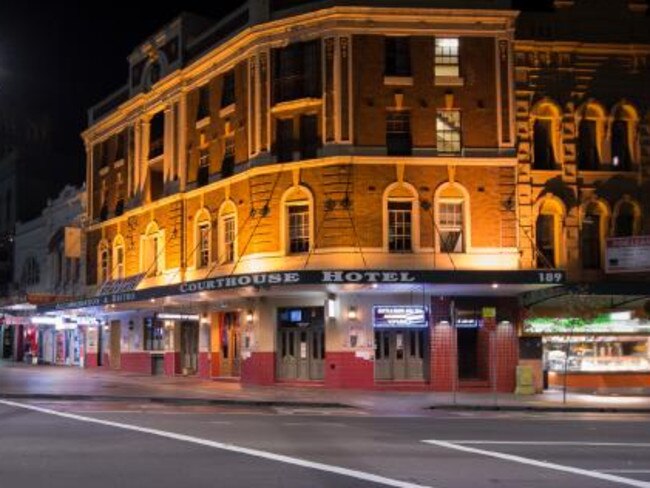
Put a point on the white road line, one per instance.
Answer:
(542, 464)
(303, 463)
(553, 443)
(630, 471)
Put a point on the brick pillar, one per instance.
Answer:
(443, 349)
(507, 356)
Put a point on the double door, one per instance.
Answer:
(301, 352)
(400, 354)
(190, 347)
(230, 345)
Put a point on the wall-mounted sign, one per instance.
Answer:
(400, 317)
(628, 254)
(616, 322)
(178, 316)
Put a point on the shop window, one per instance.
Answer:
(451, 225)
(154, 334)
(543, 151)
(447, 61)
(588, 157)
(625, 220)
(297, 71)
(400, 226)
(204, 237)
(228, 89)
(299, 225)
(309, 140)
(397, 54)
(284, 141)
(157, 135)
(545, 241)
(448, 131)
(203, 110)
(398, 133)
(590, 241)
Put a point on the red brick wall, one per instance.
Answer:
(259, 369)
(345, 370)
(136, 362)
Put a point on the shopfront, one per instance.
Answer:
(609, 352)
(301, 344)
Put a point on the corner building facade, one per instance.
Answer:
(318, 193)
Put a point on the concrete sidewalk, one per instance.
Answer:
(63, 383)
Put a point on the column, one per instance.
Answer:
(168, 145)
(181, 169)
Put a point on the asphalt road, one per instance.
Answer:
(141, 445)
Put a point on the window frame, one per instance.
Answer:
(444, 144)
(443, 60)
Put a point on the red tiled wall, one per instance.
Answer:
(259, 369)
(345, 370)
(204, 365)
(91, 360)
(136, 362)
(507, 352)
(172, 363)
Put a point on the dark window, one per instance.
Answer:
(545, 241)
(284, 142)
(203, 174)
(398, 56)
(590, 242)
(228, 91)
(298, 228)
(308, 136)
(543, 141)
(228, 163)
(624, 226)
(621, 158)
(103, 212)
(398, 133)
(119, 207)
(588, 157)
(157, 135)
(154, 335)
(204, 102)
(157, 184)
(399, 226)
(297, 72)
(120, 151)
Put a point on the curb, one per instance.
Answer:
(539, 408)
(190, 401)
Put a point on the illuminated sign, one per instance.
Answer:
(615, 322)
(178, 316)
(399, 317)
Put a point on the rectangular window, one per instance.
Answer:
(399, 226)
(203, 245)
(157, 135)
(398, 133)
(308, 136)
(448, 131)
(204, 103)
(298, 228)
(103, 266)
(154, 335)
(591, 242)
(297, 71)
(451, 227)
(228, 91)
(447, 58)
(228, 239)
(397, 56)
(119, 263)
(203, 175)
(545, 241)
(284, 141)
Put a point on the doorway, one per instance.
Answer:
(230, 338)
(8, 342)
(116, 344)
(189, 347)
(467, 353)
(301, 344)
(400, 354)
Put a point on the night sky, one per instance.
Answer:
(59, 58)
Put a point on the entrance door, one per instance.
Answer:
(301, 344)
(116, 343)
(467, 353)
(230, 344)
(400, 354)
(190, 347)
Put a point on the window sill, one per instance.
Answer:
(227, 110)
(398, 80)
(119, 163)
(103, 171)
(296, 105)
(205, 121)
(449, 81)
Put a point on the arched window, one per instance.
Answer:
(451, 218)
(591, 123)
(104, 262)
(594, 223)
(401, 218)
(627, 216)
(548, 233)
(623, 137)
(152, 251)
(228, 232)
(118, 258)
(203, 251)
(546, 136)
(297, 205)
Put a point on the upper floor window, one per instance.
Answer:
(152, 253)
(545, 241)
(228, 89)
(103, 257)
(398, 133)
(299, 224)
(447, 58)
(626, 218)
(448, 131)
(157, 135)
(203, 174)
(451, 226)
(590, 239)
(546, 136)
(227, 232)
(284, 140)
(228, 163)
(204, 103)
(590, 133)
(309, 140)
(204, 237)
(400, 223)
(31, 273)
(397, 54)
(623, 137)
(118, 258)
(297, 71)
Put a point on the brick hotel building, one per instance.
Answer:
(374, 194)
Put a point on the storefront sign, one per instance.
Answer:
(628, 254)
(328, 277)
(399, 317)
(616, 322)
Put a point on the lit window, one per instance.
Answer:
(399, 226)
(451, 223)
(298, 228)
(447, 58)
(152, 254)
(203, 245)
(228, 239)
(448, 131)
(119, 262)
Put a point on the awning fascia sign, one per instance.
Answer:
(321, 277)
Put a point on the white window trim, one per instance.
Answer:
(160, 250)
(103, 246)
(118, 243)
(227, 210)
(467, 222)
(415, 215)
(201, 220)
(284, 217)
